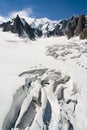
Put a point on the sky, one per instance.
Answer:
(52, 9)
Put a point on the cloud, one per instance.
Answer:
(3, 19)
(25, 13)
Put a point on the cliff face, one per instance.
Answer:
(22, 28)
(74, 26)
(77, 27)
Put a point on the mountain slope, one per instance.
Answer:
(32, 28)
(22, 28)
(77, 26)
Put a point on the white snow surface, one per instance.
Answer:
(18, 55)
(43, 24)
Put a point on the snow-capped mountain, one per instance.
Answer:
(44, 24)
(43, 82)
(32, 28)
(21, 27)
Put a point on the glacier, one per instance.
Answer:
(43, 83)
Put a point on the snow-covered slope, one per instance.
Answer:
(43, 24)
(48, 79)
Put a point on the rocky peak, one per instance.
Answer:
(77, 26)
(74, 26)
(22, 28)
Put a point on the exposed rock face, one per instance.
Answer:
(42, 103)
(74, 26)
(77, 27)
(58, 30)
(22, 28)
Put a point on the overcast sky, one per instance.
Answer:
(52, 9)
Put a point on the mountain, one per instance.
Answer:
(21, 27)
(32, 28)
(43, 82)
(77, 26)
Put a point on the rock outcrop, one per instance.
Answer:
(74, 26)
(22, 28)
(77, 27)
